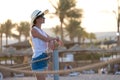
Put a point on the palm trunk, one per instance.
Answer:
(62, 32)
(1, 42)
(6, 40)
(118, 38)
(79, 39)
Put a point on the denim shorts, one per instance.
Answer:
(40, 65)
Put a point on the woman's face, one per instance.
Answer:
(40, 20)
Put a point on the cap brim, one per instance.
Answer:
(41, 15)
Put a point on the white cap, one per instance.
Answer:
(37, 13)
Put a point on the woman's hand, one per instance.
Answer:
(51, 45)
(59, 42)
(55, 43)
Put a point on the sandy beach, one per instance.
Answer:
(79, 77)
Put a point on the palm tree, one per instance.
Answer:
(118, 26)
(75, 30)
(56, 30)
(14, 34)
(23, 29)
(26, 29)
(8, 25)
(1, 35)
(72, 28)
(0, 39)
(81, 35)
(91, 37)
(64, 9)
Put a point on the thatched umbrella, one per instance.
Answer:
(28, 51)
(76, 48)
(116, 49)
(94, 49)
(19, 45)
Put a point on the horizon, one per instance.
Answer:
(99, 36)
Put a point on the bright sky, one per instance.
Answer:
(98, 14)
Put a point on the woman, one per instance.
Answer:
(40, 42)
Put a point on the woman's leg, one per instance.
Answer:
(40, 76)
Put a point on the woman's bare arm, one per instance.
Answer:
(36, 34)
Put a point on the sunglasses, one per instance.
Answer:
(41, 16)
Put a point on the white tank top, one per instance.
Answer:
(39, 46)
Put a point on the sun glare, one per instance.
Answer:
(14, 31)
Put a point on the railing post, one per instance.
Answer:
(56, 63)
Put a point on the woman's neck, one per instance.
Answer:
(38, 25)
